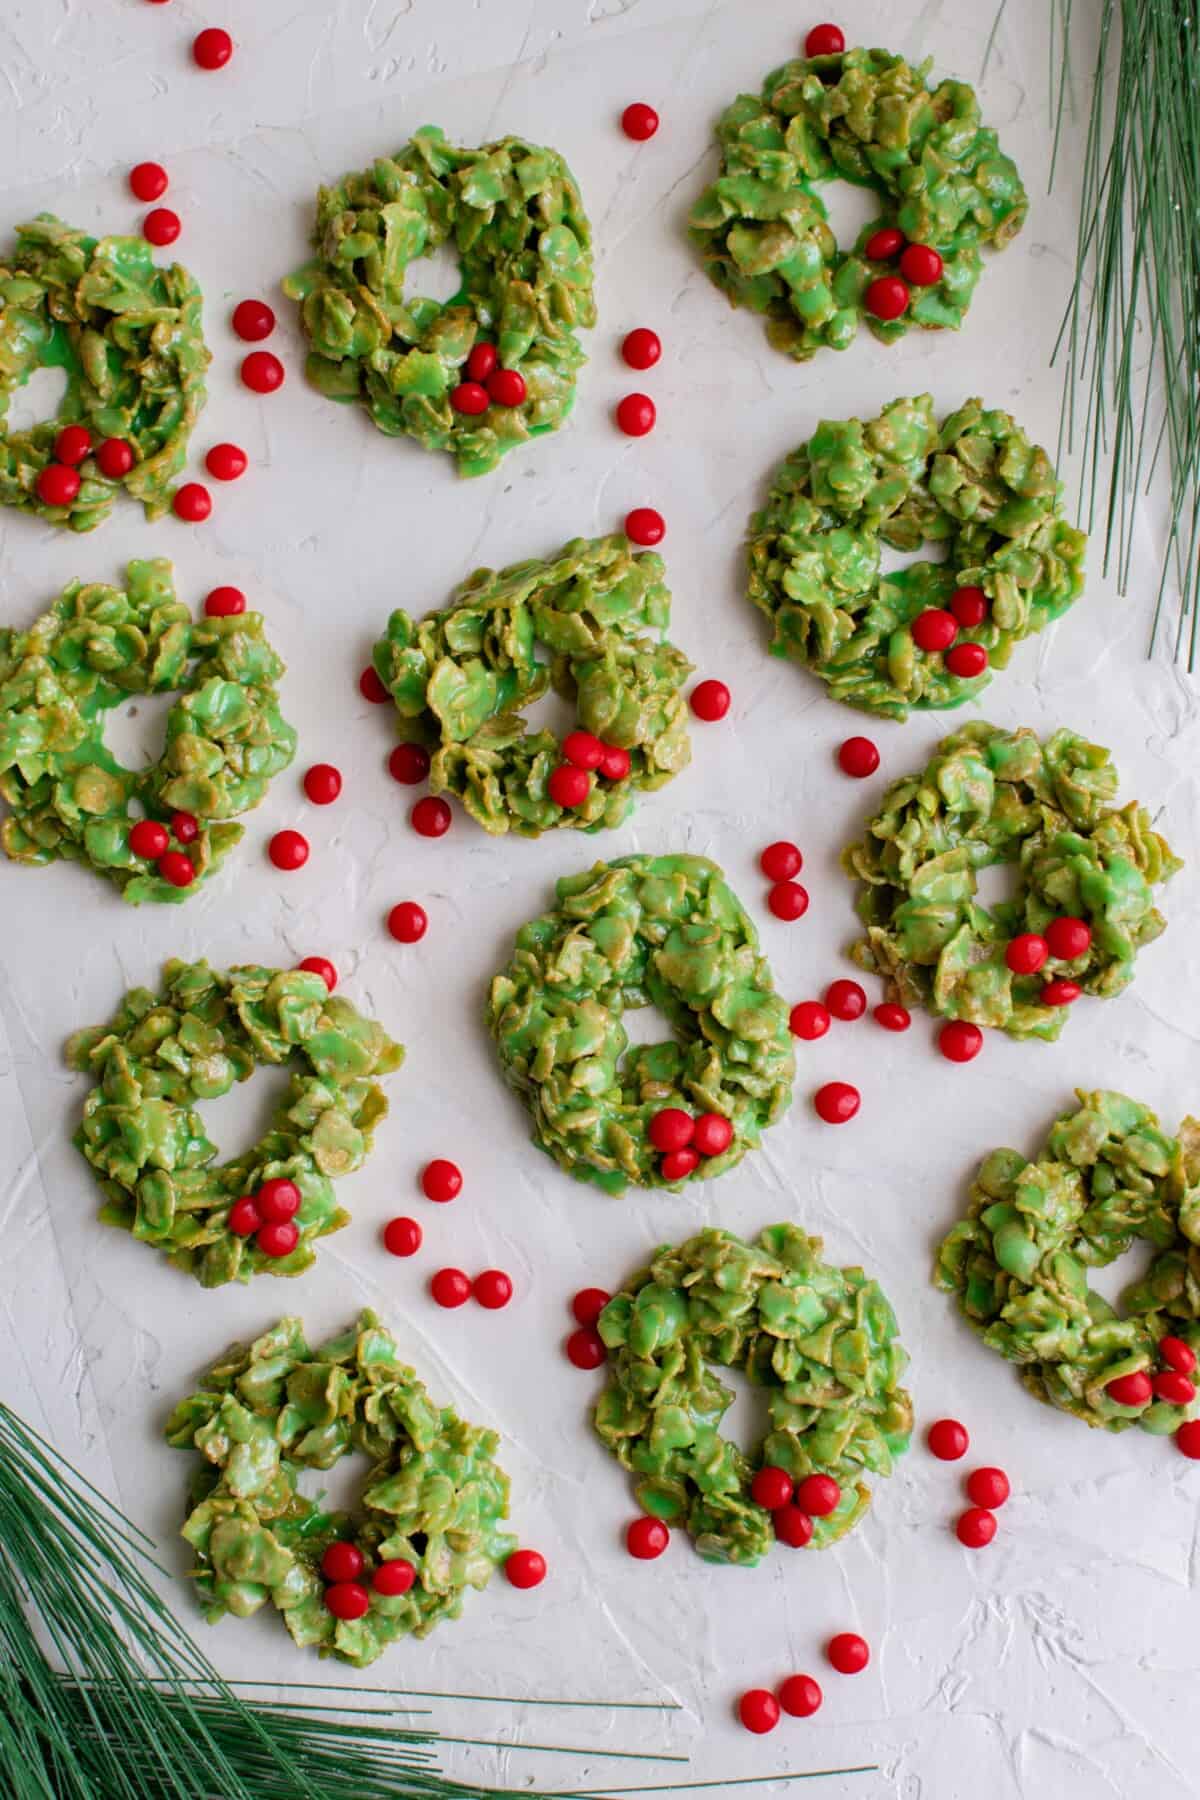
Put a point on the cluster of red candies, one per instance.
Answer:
(269, 1217)
(59, 482)
(781, 862)
(682, 1140)
(585, 755)
(585, 1347)
(487, 384)
(937, 628)
(794, 1505)
(441, 1181)
(987, 1488)
(1066, 939)
(1173, 1383)
(800, 1696)
(346, 1594)
(151, 839)
(888, 296)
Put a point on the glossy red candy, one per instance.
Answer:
(253, 320)
(586, 1348)
(408, 763)
(858, 757)
(636, 415)
(224, 603)
(883, 244)
(342, 1562)
(278, 1239)
(568, 786)
(1177, 1355)
(837, 1102)
(1187, 1440)
(825, 40)
(482, 362)
(372, 687)
(244, 1217)
(1068, 938)
(959, 1041)
(1026, 953)
(967, 660)
(947, 1439)
(709, 700)
(525, 1568)
(161, 226)
(583, 749)
(450, 1287)
(772, 1488)
(646, 1538)
(818, 1495)
(644, 526)
(226, 462)
(921, 265)
(441, 1180)
(677, 1165)
(639, 121)
(320, 965)
(671, 1129)
(975, 1528)
(493, 1289)
(1130, 1390)
(176, 868)
(507, 387)
(793, 1527)
(969, 606)
(57, 485)
(192, 503)
(988, 1488)
(347, 1600)
(800, 1696)
(72, 444)
(1060, 993)
(1175, 1389)
(788, 900)
(809, 1019)
(846, 1000)
(713, 1134)
(758, 1709)
(212, 49)
(407, 922)
(402, 1237)
(934, 629)
(288, 850)
(394, 1577)
(185, 827)
(147, 181)
(886, 298)
(848, 1653)
(892, 1016)
(114, 458)
(616, 763)
(322, 783)
(780, 861)
(430, 817)
(148, 838)
(277, 1200)
(641, 348)
(588, 1304)
(262, 372)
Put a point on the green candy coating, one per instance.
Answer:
(434, 1496)
(513, 213)
(868, 117)
(992, 797)
(164, 1054)
(975, 486)
(95, 648)
(822, 1343)
(665, 931)
(461, 679)
(128, 336)
(1106, 1178)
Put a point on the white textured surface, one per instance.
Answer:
(1061, 1661)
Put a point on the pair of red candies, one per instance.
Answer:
(585, 755)
(682, 1140)
(346, 1595)
(487, 384)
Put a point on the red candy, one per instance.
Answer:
(507, 387)
(407, 922)
(713, 1134)
(959, 1041)
(288, 850)
(394, 1578)
(1177, 1355)
(758, 1710)
(818, 1495)
(72, 444)
(469, 398)
(347, 1600)
(224, 603)
(892, 1016)
(934, 629)
(988, 1488)
(772, 1488)
(493, 1289)
(225, 462)
(278, 1239)
(792, 1527)
(809, 1019)
(710, 701)
(212, 49)
(176, 868)
(568, 786)
(408, 763)
(671, 1129)
(780, 861)
(185, 827)
(1060, 993)
(244, 1217)
(342, 1562)
(114, 458)
(677, 1165)
(586, 1348)
(975, 1528)
(616, 762)
(883, 244)
(277, 1200)
(430, 817)
(858, 757)
(589, 1303)
(1068, 938)
(639, 121)
(57, 485)
(402, 1237)
(253, 320)
(583, 749)
(1175, 1389)
(788, 901)
(1187, 1440)
(161, 226)
(947, 1439)
(921, 265)
(800, 1696)
(824, 40)
(837, 1102)
(641, 348)
(645, 526)
(192, 503)
(845, 1000)
(848, 1653)
(147, 181)
(321, 965)
(647, 1538)
(636, 414)
(322, 783)
(1130, 1390)
(887, 298)
(967, 660)
(450, 1287)
(441, 1180)
(482, 362)
(262, 372)
(371, 686)
(1026, 953)
(525, 1568)
(148, 838)
(969, 606)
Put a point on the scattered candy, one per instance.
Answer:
(758, 1710)
(568, 786)
(57, 485)
(277, 1200)
(407, 922)
(976, 1527)
(244, 1218)
(780, 861)
(226, 462)
(430, 817)
(525, 1568)
(969, 606)
(148, 838)
(616, 762)
(224, 603)
(450, 1287)
(1068, 938)
(583, 749)
(1187, 1440)
(886, 298)
(988, 1488)
(322, 783)
(967, 660)
(342, 1562)
(892, 1016)
(921, 265)
(713, 1134)
(934, 629)
(321, 965)
(788, 900)
(818, 1495)
(371, 686)
(192, 503)
(278, 1239)
(1175, 1389)
(1026, 953)
(848, 1653)
(586, 1348)
(671, 1129)
(161, 226)
(677, 1165)
(947, 1439)
(176, 868)
(402, 1236)
(772, 1488)
(441, 1180)
(800, 1696)
(253, 320)
(641, 348)
(636, 414)
(792, 1527)
(394, 1577)
(646, 1539)
(645, 526)
(824, 40)
(147, 181)
(858, 757)
(408, 763)
(72, 444)
(347, 1600)
(212, 49)
(809, 1019)
(1130, 1390)
(837, 1102)
(469, 398)
(588, 1304)
(709, 700)
(1060, 993)
(1177, 1355)
(639, 121)
(882, 245)
(493, 1289)
(845, 1000)
(959, 1041)
(507, 387)
(114, 458)
(262, 372)
(288, 850)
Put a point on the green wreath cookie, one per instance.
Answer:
(68, 796)
(661, 931)
(993, 797)
(513, 214)
(867, 117)
(128, 336)
(432, 1503)
(462, 678)
(820, 1341)
(164, 1054)
(1106, 1178)
(974, 486)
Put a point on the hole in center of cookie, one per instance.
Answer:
(37, 400)
(434, 277)
(237, 1120)
(747, 1421)
(848, 209)
(136, 732)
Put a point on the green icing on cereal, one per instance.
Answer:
(127, 334)
(870, 118)
(512, 213)
(96, 648)
(164, 1054)
(992, 797)
(822, 1344)
(462, 678)
(433, 1497)
(974, 486)
(665, 931)
(1106, 1178)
